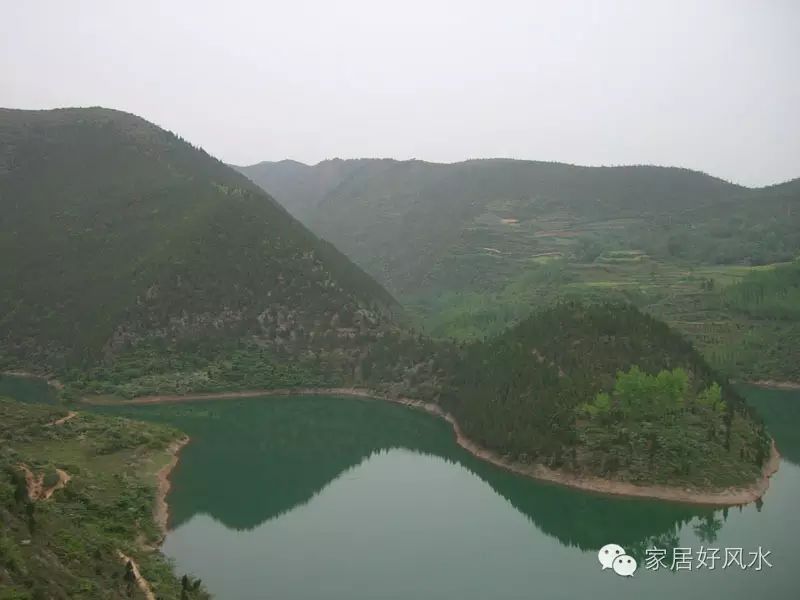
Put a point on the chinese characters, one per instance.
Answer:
(686, 559)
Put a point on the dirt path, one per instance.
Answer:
(161, 509)
(723, 497)
(70, 415)
(140, 581)
(35, 483)
(63, 479)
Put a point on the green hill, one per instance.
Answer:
(471, 248)
(134, 263)
(301, 185)
(470, 224)
(767, 303)
(606, 390)
(67, 545)
(115, 233)
(597, 389)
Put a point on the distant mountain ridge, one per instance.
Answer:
(303, 186)
(413, 224)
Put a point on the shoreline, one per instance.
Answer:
(161, 508)
(722, 497)
(772, 384)
(51, 381)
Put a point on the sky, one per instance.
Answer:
(708, 85)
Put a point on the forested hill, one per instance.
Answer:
(114, 232)
(605, 390)
(414, 224)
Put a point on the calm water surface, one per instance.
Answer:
(329, 498)
(27, 389)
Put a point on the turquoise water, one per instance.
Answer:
(309, 498)
(26, 389)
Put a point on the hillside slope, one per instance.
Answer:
(68, 542)
(301, 187)
(605, 390)
(472, 225)
(114, 232)
(598, 390)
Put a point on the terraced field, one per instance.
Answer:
(472, 247)
(690, 298)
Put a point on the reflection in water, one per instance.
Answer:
(304, 498)
(780, 409)
(27, 389)
(252, 461)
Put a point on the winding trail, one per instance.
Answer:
(35, 484)
(140, 581)
(70, 415)
(723, 497)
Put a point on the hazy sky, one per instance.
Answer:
(709, 85)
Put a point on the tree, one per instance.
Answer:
(711, 397)
(129, 577)
(20, 485)
(30, 510)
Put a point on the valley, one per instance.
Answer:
(338, 473)
(147, 280)
(470, 248)
(377, 301)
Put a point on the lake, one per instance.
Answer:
(308, 498)
(27, 389)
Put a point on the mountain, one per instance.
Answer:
(600, 390)
(471, 225)
(608, 391)
(135, 264)
(301, 185)
(116, 233)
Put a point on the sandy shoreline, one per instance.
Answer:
(776, 385)
(51, 381)
(723, 497)
(161, 508)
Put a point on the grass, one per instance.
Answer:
(66, 546)
(691, 298)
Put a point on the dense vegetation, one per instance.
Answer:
(66, 546)
(606, 390)
(396, 362)
(414, 224)
(114, 232)
(773, 294)
(132, 263)
(655, 424)
(473, 247)
(523, 393)
(142, 265)
(732, 326)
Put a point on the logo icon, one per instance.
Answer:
(612, 556)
